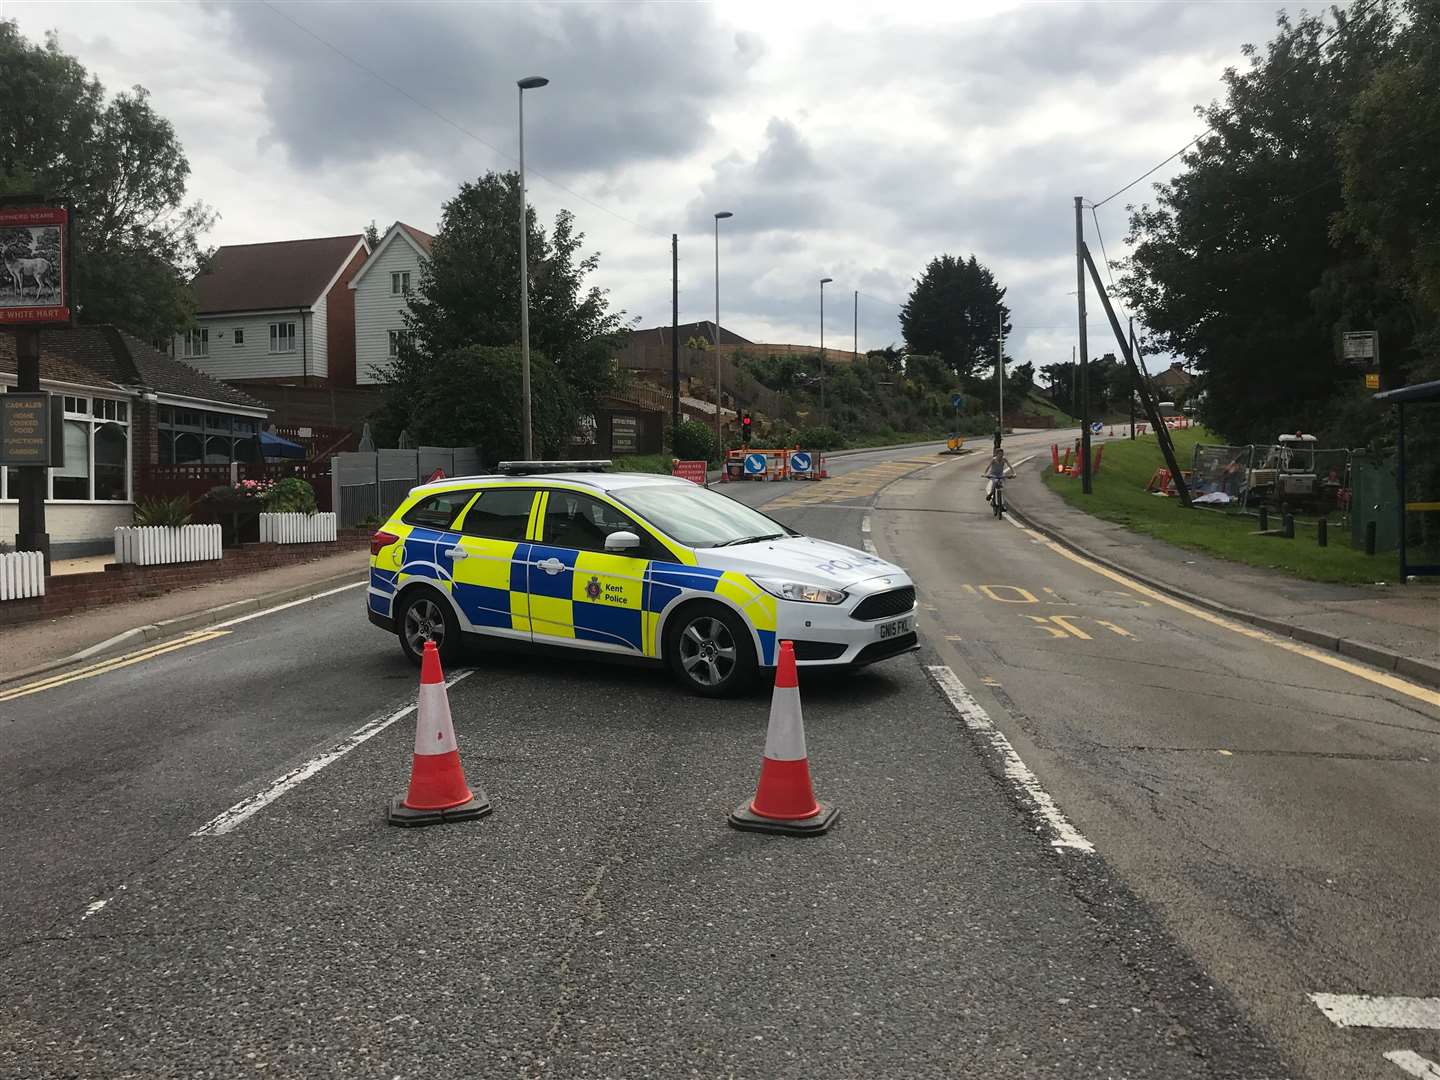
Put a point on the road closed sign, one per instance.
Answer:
(800, 462)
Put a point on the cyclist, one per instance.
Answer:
(995, 473)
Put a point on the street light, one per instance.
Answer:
(530, 82)
(823, 282)
(719, 438)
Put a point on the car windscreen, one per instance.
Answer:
(698, 517)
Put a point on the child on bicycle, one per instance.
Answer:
(995, 472)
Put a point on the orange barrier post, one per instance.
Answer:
(438, 792)
(1055, 456)
(1099, 452)
(784, 801)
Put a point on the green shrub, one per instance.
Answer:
(819, 438)
(167, 512)
(291, 496)
(694, 441)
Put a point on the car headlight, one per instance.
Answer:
(800, 591)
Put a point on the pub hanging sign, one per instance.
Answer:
(36, 242)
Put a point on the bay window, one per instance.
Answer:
(96, 437)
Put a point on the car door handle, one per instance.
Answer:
(551, 566)
(457, 553)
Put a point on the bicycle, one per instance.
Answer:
(997, 496)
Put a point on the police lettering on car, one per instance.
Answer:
(565, 554)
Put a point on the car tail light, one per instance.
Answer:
(380, 541)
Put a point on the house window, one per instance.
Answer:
(400, 283)
(238, 337)
(398, 339)
(97, 454)
(282, 337)
(197, 342)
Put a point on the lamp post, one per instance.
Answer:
(530, 82)
(719, 436)
(823, 282)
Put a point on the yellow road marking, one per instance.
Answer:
(1379, 678)
(111, 665)
(1064, 620)
(1115, 629)
(1044, 621)
(1022, 596)
(969, 589)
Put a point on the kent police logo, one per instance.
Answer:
(592, 590)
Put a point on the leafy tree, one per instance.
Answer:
(469, 292)
(470, 396)
(694, 441)
(954, 312)
(137, 240)
(372, 235)
(1234, 266)
(890, 356)
(1022, 380)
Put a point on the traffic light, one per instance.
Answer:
(745, 428)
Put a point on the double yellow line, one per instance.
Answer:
(114, 664)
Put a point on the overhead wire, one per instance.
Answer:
(1363, 6)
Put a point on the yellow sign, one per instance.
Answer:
(955, 442)
(1372, 380)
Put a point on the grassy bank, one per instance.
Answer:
(1120, 496)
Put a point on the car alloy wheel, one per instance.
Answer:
(708, 651)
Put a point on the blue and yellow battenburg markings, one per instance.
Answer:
(609, 600)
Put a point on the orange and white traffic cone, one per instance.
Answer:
(784, 802)
(438, 792)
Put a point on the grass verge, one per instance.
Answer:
(1120, 496)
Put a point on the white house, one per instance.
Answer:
(382, 289)
(277, 313)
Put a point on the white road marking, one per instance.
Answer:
(865, 541)
(1064, 836)
(93, 908)
(1414, 1064)
(292, 603)
(1374, 1011)
(865, 524)
(1022, 461)
(231, 819)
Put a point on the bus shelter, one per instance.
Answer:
(1418, 394)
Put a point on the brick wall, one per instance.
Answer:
(120, 583)
(340, 325)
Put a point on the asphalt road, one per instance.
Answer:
(604, 922)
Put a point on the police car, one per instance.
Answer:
(631, 564)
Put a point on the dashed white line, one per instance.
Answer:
(865, 541)
(1063, 835)
(94, 908)
(1414, 1064)
(1375, 1011)
(231, 819)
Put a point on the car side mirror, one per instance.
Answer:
(622, 541)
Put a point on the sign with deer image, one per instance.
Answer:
(35, 282)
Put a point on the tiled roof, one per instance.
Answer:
(264, 277)
(109, 359)
(424, 239)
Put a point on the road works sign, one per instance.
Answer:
(35, 245)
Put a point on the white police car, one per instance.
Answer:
(631, 564)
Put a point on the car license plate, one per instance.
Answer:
(888, 630)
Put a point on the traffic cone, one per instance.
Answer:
(438, 792)
(784, 802)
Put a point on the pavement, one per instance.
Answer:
(1396, 627)
(1089, 831)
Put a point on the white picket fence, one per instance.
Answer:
(22, 575)
(154, 545)
(297, 528)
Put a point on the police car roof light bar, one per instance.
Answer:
(532, 468)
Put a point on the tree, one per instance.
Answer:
(469, 290)
(372, 235)
(1022, 380)
(954, 312)
(1234, 267)
(1062, 381)
(137, 240)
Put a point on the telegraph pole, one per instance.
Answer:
(1000, 378)
(855, 344)
(1135, 353)
(1085, 479)
(674, 337)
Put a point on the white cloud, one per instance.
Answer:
(851, 140)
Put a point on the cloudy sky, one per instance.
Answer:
(852, 141)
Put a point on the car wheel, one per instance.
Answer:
(710, 651)
(427, 616)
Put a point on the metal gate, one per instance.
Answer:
(367, 487)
